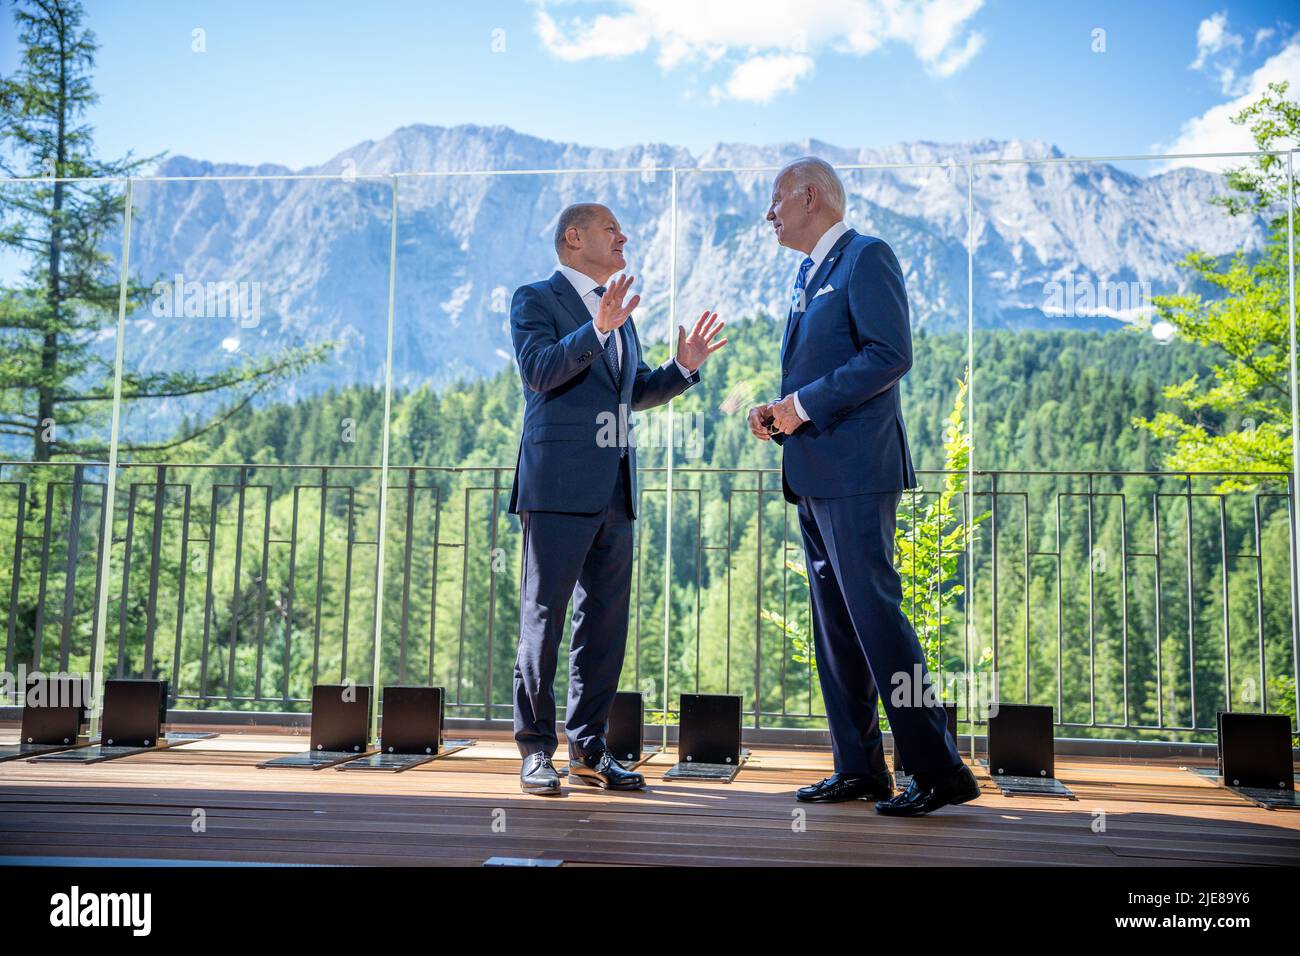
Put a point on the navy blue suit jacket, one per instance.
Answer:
(844, 355)
(572, 405)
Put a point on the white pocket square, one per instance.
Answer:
(824, 289)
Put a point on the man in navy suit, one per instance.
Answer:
(575, 489)
(845, 463)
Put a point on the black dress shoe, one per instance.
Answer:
(931, 791)
(847, 786)
(605, 772)
(538, 775)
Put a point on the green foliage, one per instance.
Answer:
(1238, 419)
(1046, 400)
(931, 544)
(797, 628)
(56, 377)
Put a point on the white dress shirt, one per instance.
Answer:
(819, 252)
(585, 286)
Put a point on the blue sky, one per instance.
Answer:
(296, 82)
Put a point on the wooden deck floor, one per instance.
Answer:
(467, 807)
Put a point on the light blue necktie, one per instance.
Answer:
(797, 299)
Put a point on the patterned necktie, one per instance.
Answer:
(611, 347)
(798, 300)
(611, 358)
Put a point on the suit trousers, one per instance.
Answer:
(587, 557)
(863, 640)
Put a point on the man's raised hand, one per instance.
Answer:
(693, 349)
(612, 313)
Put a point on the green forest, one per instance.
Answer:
(266, 573)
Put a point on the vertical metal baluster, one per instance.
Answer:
(70, 567)
(101, 584)
(320, 577)
(1191, 605)
(155, 563)
(464, 584)
(492, 591)
(293, 585)
(433, 591)
(638, 561)
(785, 584)
(209, 611)
(758, 600)
(1060, 618)
(262, 590)
(1092, 617)
(15, 581)
(1123, 576)
(237, 594)
(408, 543)
(993, 548)
(1227, 625)
(347, 580)
(1159, 587)
(1258, 557)
(124, 605)
(727, 649)
(1024, 502)
(180, 594)
(699, 569)
(1293, 480)
(43, 587)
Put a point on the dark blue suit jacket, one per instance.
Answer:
(844, 355)
(567, 461)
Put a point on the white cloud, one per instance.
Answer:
(760, 78)
(1218, 50)
(954, 61)
(604, 36)
(1214, 132)
(770, 46)
(1262, 36)
(1213, 36)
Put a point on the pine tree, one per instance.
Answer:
(55, 375)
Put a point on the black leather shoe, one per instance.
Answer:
(605, 772)
(847, 786)
(929, 793)
(538, 775)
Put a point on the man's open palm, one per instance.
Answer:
(693, 349)
(612, 312)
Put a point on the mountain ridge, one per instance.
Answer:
(317, 249)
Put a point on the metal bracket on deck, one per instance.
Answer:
(132, 723)
(340, 728)
(1021, 757)
(411, 728)
(1255, 760)
(708, 740)
(624, 737)
(53, 709)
